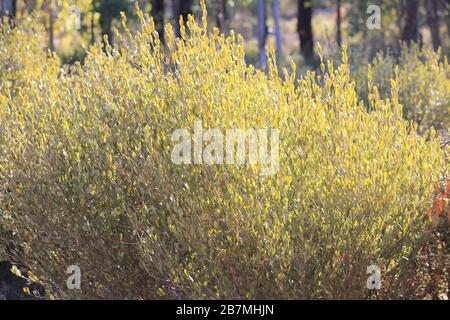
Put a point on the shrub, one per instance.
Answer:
(86, 176)
(424, 79)
(423, 82)
(23, 60)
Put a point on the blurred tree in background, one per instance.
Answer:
(110, 10)
(158, 11)
(262, 32)
(8, 8)
(304, 27)
(411, 28)
(447, 16)
(181, 8)
(433, 19)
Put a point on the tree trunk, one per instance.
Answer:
(262, 33)
(181, 8)
(93, 22)
(432, 7)
(222, 15)
(276, 16)
(107, 14)
(8, 8)
(157, 12)
(400, 7)
(304, 28)
(338, 23)
(411, 30)
(51, 27)
(448, 25)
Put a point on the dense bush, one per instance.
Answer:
(86, 176)
(423, 82)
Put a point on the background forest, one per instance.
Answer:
(294, 25)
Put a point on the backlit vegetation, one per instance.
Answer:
(423, 82)
(86, 176)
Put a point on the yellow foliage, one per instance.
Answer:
(86, 176)
(423, 83)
